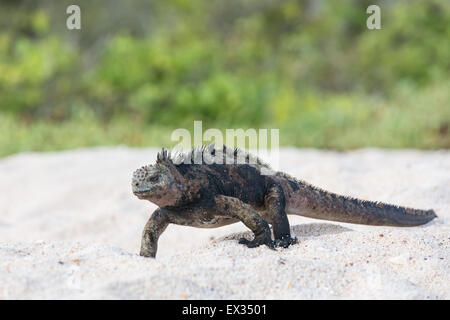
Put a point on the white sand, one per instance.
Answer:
(70, 228)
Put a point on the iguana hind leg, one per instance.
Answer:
(275, 212)
(235, 208)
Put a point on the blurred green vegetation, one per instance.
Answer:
(139, 69)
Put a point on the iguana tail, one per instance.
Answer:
(313, 202)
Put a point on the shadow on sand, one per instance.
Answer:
(301, 231)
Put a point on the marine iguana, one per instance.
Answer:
(212, 194)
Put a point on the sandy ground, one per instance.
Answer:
(70, 228)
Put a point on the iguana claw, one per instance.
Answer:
(259, 240)
(286, 241)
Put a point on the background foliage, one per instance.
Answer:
(139, 69)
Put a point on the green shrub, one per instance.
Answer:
(312, 69)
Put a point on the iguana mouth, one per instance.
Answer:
(140, 192)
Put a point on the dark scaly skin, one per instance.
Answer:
(214, 195)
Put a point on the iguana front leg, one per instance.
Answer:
(155, 226)
(275, 212)
(237, 209)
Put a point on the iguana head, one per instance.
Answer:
(159, 183)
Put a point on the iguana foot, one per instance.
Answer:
(263, 238)
(147, 253)
(286, 241)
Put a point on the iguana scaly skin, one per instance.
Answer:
(213, 195)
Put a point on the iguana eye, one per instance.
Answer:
(153, 179)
